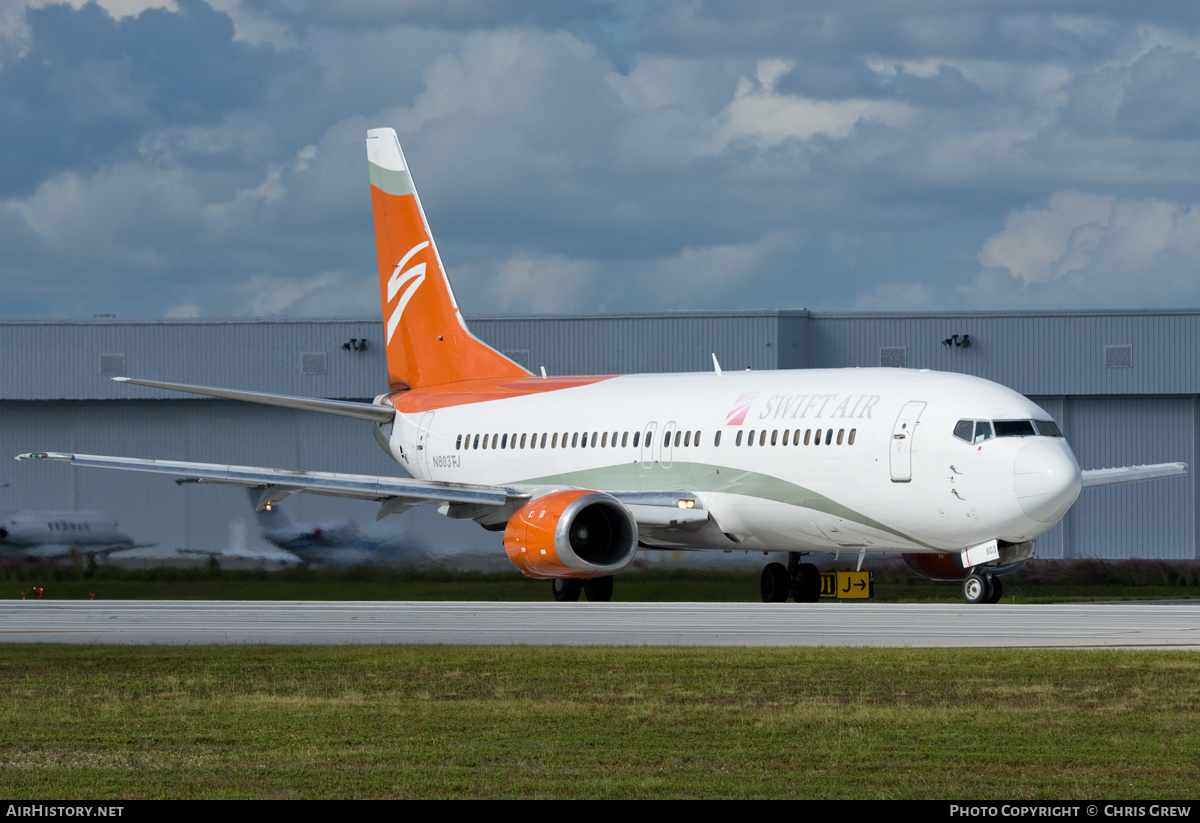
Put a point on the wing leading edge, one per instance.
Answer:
(395, 494)
(1094, 478)
(345, 408)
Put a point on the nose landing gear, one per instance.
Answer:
(982, 588)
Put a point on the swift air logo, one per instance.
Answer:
(408, 279)
(737, 415)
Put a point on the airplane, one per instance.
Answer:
(48, 535)
(334, 542)
(958, 473)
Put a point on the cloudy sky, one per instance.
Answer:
(206, 157)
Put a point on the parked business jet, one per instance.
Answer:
(47, 535)
(331, 542)
(958, 473)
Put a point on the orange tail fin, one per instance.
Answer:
(428, 343)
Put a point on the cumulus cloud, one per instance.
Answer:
(207, 156)
(1102, 245)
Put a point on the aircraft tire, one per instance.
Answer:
(566, 589)
(996, 589)
(598, 589)
(775, 583)
(976, 589)
(806, 586)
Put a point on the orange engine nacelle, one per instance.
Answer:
(946, 566)
(576, 533)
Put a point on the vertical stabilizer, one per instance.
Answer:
(428, 343)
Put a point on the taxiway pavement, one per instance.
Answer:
(656, 624)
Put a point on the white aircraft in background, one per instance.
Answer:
(958, 473)
(333, 542)
(49, 535)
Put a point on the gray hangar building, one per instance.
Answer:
(1121, 384)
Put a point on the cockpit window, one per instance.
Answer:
(983, 431)
(1048, 428)
(1015, 428)
(963, 429)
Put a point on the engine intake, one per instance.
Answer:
(575, 533)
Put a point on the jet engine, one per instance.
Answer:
(575, 533)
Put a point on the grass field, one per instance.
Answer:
(275, 722)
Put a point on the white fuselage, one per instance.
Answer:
(904, 483)
(51, 534)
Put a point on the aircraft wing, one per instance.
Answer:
(396, 494)
(345, 408)
(1094, 478)
(658, 510)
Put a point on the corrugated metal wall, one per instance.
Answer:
(630, 344)
(1034, 353)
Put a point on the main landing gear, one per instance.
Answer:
(982, 588)
(801, 580)
(568, 589)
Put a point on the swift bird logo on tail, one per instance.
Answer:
(402, 277)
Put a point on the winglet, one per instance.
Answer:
(46, 456)
(427, 342)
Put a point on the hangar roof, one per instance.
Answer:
(1036, 353)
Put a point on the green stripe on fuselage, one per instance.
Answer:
(389, 181)
(705, 477)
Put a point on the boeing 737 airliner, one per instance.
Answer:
(958, 473)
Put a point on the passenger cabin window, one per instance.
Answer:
(850, 442)
(717, 439)
(738, 440)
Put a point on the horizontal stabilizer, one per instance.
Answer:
(345, 408)
(1094, 478)
(357, 486)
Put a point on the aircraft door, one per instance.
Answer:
(666, 452)
(901, 444)
(424, 438)
(647, 446)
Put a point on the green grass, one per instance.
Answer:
(303, 722)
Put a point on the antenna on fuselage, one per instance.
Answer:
(716, 365)
(543, 372)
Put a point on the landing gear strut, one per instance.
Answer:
(982, 588)
(801, 580)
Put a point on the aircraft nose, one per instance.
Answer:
(1047, 479)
